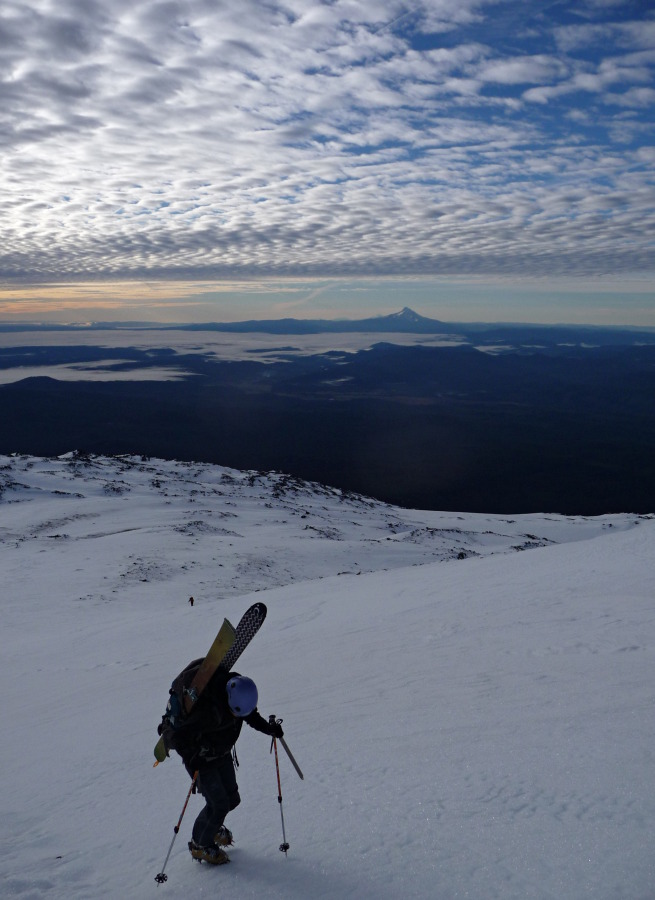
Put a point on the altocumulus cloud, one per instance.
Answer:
(208, 139)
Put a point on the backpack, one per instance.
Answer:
(175, 716)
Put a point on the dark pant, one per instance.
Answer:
(218, 785)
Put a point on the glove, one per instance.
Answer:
(275, 730)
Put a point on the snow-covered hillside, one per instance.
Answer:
(473, 721)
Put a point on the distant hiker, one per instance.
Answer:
(205, 740)
(191, 600)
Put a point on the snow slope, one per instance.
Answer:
(472, 721)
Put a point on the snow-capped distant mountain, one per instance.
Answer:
(407, 316)
(471, 720)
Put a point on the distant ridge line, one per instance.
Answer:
(405, 321)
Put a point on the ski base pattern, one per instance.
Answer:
(250, 623)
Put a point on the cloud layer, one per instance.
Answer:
(207, 139)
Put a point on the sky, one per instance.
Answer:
(206, 160)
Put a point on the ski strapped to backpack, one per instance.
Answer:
(227, 647)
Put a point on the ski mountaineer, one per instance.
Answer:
(205, 739)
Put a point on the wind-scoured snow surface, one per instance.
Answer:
(471, 697)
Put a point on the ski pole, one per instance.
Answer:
(284, 846)
(293, 761)
(161, 878)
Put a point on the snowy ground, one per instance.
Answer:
(473, 721)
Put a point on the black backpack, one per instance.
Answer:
(175, 715)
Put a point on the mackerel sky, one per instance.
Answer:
(209, 159)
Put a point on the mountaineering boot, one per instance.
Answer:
(223, 837)
(213, 854)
